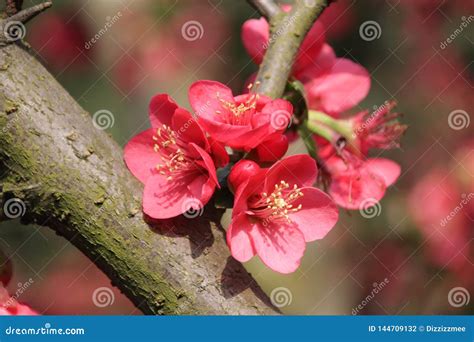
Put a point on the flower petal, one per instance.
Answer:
(219, 154)
(187, 128)
(353, 188)
(299, 169)
(317, 216)
(140, 157)
(164, 198)
(385, 168)
(161, 110)
(312, 45)
(340, 89)
(280, 245)
(255, 35)
(320, 65)
(238, 238)
(208, 164)
(206, 98)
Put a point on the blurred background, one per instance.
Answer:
(413, 255)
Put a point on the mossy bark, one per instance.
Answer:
(71, 178)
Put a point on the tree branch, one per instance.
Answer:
(70, 176)
(12, 28)
(267, 8)
(286, 36)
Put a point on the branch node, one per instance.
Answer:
(12, 27)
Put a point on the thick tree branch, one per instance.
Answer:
(286, 36)
(70, 176)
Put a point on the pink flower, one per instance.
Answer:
(332, 84)
(10, 307)
(276, 211)
(379, 129)
(358, 184)
(173, 160)
(241, 122)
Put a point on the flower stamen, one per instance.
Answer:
(172, 156)
(279, 204)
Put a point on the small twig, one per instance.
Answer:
(286, 38)
(22, 17)
(267, 8)
(29, 13)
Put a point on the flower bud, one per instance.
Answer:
(241, 172)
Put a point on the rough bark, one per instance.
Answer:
(71, 177)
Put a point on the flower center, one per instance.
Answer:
(279, 204)
(241, 113)
(172, 155)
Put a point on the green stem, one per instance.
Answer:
(342, 127)
(323, 131)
